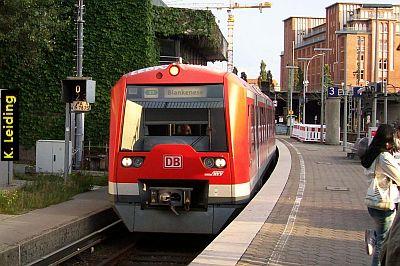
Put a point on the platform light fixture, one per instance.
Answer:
(306, 82)
(323, 50)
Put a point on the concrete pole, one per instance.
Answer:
(322, 98)
(332, 116)
(345, 118)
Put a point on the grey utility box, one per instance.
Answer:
(50, 156)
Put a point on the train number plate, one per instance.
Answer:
(173, 161)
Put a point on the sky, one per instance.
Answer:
(259, 36)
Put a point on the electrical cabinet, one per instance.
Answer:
(50, 156)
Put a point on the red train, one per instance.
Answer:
(188, 146)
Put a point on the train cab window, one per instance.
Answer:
(199, 123)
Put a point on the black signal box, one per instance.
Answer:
(78, 89)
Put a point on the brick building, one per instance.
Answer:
(349, 30)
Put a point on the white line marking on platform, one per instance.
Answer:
(230, 245)
(279, 247)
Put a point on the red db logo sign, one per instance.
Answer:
(173, 161)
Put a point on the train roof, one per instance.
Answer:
(207, 74)
(196, 68)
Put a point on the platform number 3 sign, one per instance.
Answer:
(333, 92)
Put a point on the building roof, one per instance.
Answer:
(343, 3)
(304, 17)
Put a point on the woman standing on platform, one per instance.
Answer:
(383, 172)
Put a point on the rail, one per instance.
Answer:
(75, 248)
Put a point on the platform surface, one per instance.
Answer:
(318, 218)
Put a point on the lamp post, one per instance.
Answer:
(322, 89)
(374, 103)
(305, 81)
(290, 96)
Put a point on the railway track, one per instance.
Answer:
(69, 251)
(126, 248)
(161, 249)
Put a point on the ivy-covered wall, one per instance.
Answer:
(196, 25)
(37, 51)
(118, 38)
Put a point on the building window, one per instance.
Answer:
(383, 64)
(385, 27)
(362, 74)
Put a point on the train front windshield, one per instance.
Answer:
(192, 115)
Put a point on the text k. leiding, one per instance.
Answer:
(9, 125)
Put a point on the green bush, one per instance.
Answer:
(45, 190)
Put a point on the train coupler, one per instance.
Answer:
(170, 196)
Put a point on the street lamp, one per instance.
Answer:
(306, 82)
(291, 71)
(322, 88)
(374, 103)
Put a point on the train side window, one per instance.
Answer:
(252, 126)
(263, 124)
(218, 130)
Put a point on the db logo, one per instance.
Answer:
(173, 161)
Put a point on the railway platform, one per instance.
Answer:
(310, 212)
(28, 237)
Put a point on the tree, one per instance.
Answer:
(243, 76)
(235, 71)
(328, 81)
(263, 72)
(298, 79)
(262, 79)
(270, 82)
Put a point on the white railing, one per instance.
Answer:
(308, 132)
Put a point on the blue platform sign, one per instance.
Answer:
(333, 92)
(358, 91)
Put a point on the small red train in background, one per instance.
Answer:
(188, 146)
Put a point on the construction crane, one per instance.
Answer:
(231, 19)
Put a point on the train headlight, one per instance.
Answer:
(137, 161)
(209, 162)
(174, 70)
(220, 162)
(126, 162)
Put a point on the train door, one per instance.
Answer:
(252, 140)
(257, 126)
